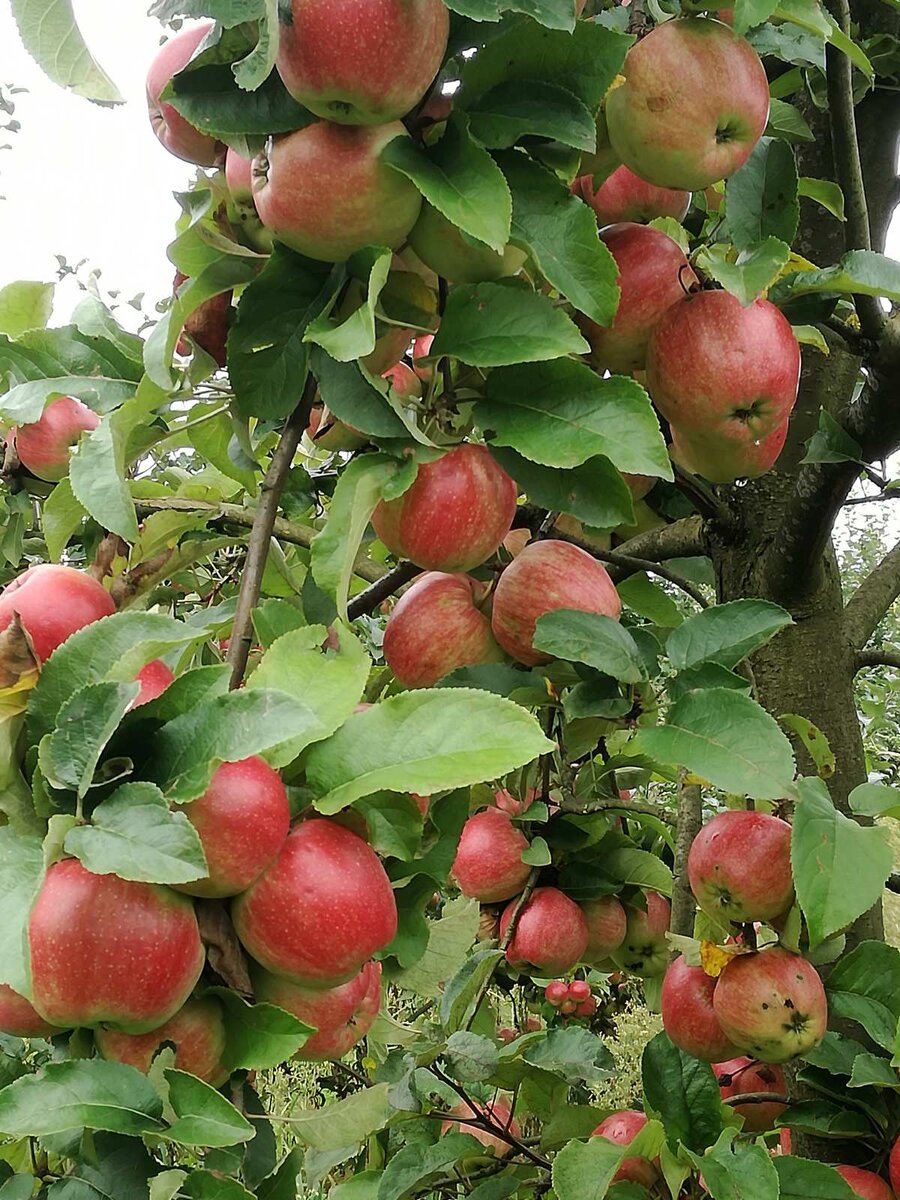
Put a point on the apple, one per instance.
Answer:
(771, 1004)
(644, 950)
(866, 1184)
(197, 1033)
(556, 992)
(390, 346)
(53, 602)
(361, 62)
(498, 1112)
(894, 1165)
(322, 909)
(242, 209)
(551, 933)
(687, 1012)
(177, 134)
(739, 867)
(607, 925)
(725, 457)
(624, 196)
(18, 1017)
(420, 350)
(207, 325)
(579, 990)
(436, 627)
(44, 446)
(622, 1128)
(243, 819)
(341, 1016)
(441, 246)
(488, 864)
(746, 1077)
(653, 274)
(547, 576)
(108, 951)
(404, 381)
(694, 103)
(154, 678)
(323, 190)
(454, 516)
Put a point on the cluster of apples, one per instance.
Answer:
(572, 999)
(311, 904)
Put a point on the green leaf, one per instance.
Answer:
(258, 1037)
(639, 868)
(725, 633)
(864, 986)
(754, 270)
(727, 738)
(788, 123)
(21, 873)
(496, 324)
(812, 16)
(134, 835)
(801, 1179)
(394, 824)
(872, 1070)
(50, 34)
(747, 15)
(839, 866)
(761, 198)
(815, 742)
(472, 1058)
(204, 1116)
(590, 638)
(81, 1093)
(167, 1184)
(19, 1187)
(413, 1164)
(562, 413)
(25, 305)
(352, 398)
(209, 1185)
(511, 111)
(573, 1052)
(86, 722)
(354, 337)
(648, 599)
(61, 517)
(460, 179)
(345, 1124)
(875, 800)
(731, 1170)
(594, 493)
(462, 989)
(96, 473)
(825, 193)
(585, 1170)
(861, 272)
(538, 854)
(449, 941)
(831, 443)
(423, 742)
(683, 1092)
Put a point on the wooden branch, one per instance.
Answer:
(682, 539)
(878, 658)
(617, 804)
(872, 599)
(523, 899)
(369, 600)
(687, 826)
(758, 1098)
(892, 494)
(630, 565)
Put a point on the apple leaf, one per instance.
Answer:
(573, 1052)
(815, 742)
(725, 633)
(533, 108)
(96, 473)
(416, 1163)
(81, 1093)
(355, 336)
(839, 866)
(203, 1116)
(683, 1092)
(825, 193)
(752, 273)
(646, 598)
(747, 15)
(61, 517)
(25, 305)
(85, 723)
(51, 36)
(731, 1169)
(21, 873)
(347, 1123)
(801, 1178)
(865, 987)
(861, 272)
(761, 198)
(561, 414)
(394, 824)
(449, 940)
(875, 800)
(585, 1170)
(424, 742)
(727, 738)
(258, 1037)
(495, 325)
(211, 1185)
(594, 493)
(352, 399)
(588, 637)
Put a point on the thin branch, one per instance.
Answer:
(369, 600)
(507, 938)
(758, 1098)
(878, 658)
(872, 599)
(630, 565)
(261, 533)
(687, 826)
(702, 495)
(614, 804)
(892, 494)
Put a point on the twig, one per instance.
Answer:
(629, 563)
(891, 494)
(507, 938)
(611, 804)
(706, 500)
(261, 533)
(369, 600)
(687, 826)
(758, 1098)
(481, 1119)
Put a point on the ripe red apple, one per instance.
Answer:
(436, 627)
(361, 62)
(324, 191)
(653, 274)
(551, 933)
(498, 1112)
(488, 864)
(866, 1184)
(243, 819)
(645, 951)
(694, 103)
(53, 602)
(607, 925)
(178, 135)
(547, 576)
(723, 457)
(197, 1033)
(107, 951)
(18, 1017)
(342, 1016)
(771, 1004)
(44, 446)
(403, 380)
(894, 1165)
(687, 1012)
(624, 196)
(556, 992)
(746, 1077)
(321, 910)
(456, 514)
(622, 1128)
(441, 246)
(739, 866)
(242, 209)
(154, 678)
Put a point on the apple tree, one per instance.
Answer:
(429, 637)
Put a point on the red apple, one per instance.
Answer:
(866, 1184)
(746, 1077)
(321, 910)
(243, 819)
(197, 1033)
(624, 196)
(403, 380)
(894, 1165)
(488, 864)
(154, 678)
(18, 1017)
(456, 514)
(579, 990)
(771, 1004)
(687, 1012)
(551, 933)
(107, 951)
(44, 446)
(556, 992)
(436, 627)
(622, 1128)
(178, 135)
(207, 325)
(653, 274)
(607, 925)
(323, 190)
(498, 1112)
(645, 951)
(53, 602)
(242, 209)
(694, 103)
(361, 62)
(547, 576)
(739, 867)
(441, 246)
(725, 457)
(421, 349)
(391, 344)
(341, 1016)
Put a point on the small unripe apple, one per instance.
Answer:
(207, 325)
(866, 1184)
(176, 133)
(441, 246)
(645, 951)
(498, 1112)
(53, 602)
(771, 1004)
(579, 990)
(551, 933)
(154, 678)
(18, 1017)
(488, 864)
(44, 447)
(607, 923)
(586, 1008)
(197, 1032)
(622, 1128)
(747, 1077)
(739, 866)
(341, 1016)
(556, 992)
(688, 1015)
(624, 196)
